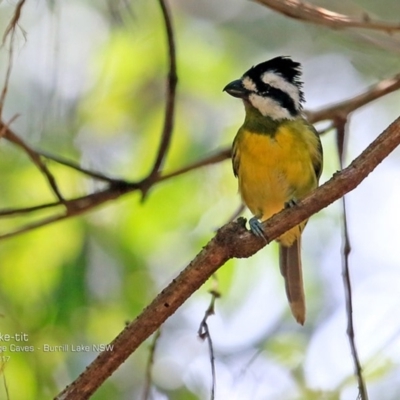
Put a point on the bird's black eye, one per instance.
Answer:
(265, 89)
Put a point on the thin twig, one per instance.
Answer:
(149, 366)
(12, 25)
(6, 81)
(215, 158)
(341, 128)
(10, 32)
(75, 207)
(308, 12)
(340, 124)
(171, 92)
(77, 167)
(35, 158)
(231, 241)
(204, 334)
(2, 372)
(5, 131)
(12, 212)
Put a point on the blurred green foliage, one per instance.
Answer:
(79, 281)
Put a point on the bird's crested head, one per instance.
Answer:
(272, 87)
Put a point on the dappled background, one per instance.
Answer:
(88, 83)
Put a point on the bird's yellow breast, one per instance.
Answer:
(275, 168)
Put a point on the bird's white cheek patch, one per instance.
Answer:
(269, 107)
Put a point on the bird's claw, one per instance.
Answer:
(291, 203)
(256, 228)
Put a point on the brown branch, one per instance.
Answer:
(171, 92)
(307, 12)
(68, 163)
(8, 134)
(204, 334)
(362, 387)
(341, 136)
(10, 32)
(230, 241)
(11, 212)
(346, 107)
(75, 207)
(14, 21)
(5, 87)
(215, 158)
(5, 131)
(149, 366)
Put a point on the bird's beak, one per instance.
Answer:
(236, 89)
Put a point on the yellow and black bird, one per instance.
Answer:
(277, 157)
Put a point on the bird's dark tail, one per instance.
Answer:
(290, 265)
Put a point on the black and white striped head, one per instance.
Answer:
(273, 87)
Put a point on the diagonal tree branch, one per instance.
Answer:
(230, 241)
(308, 12)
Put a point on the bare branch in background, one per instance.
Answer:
(74, 207)
(3, 373)
(171, 91)
(215, 158)
(341, 136)
(204, 334)
(8, 134)
(230, 241)
(5, 131)
(10, 32)
(12, 26)
(149, 366)
(308, 12)
(344, 108)
(68, 163)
